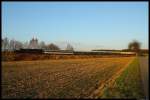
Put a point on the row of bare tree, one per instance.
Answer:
(11, 45)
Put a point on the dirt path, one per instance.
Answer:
(144, 74)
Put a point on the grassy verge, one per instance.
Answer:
(127, 85)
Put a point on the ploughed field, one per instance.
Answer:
(74, 78)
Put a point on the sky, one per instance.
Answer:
(85, 25)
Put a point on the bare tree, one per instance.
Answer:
(12, 44)
(52, 47)
(18, 45)
(25, 45)
(2, 44)
(15, 45)
(5, 44)
(42, 45)
(134, 46)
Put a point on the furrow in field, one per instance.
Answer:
(58, 79)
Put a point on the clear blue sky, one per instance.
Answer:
(86, 25)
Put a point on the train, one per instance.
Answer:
(69, 52)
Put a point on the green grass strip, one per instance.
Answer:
(128, 85)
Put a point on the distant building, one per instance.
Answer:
(69, 48)
(33, 43)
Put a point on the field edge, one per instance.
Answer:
(127, 85)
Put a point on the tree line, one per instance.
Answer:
(11, 45)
